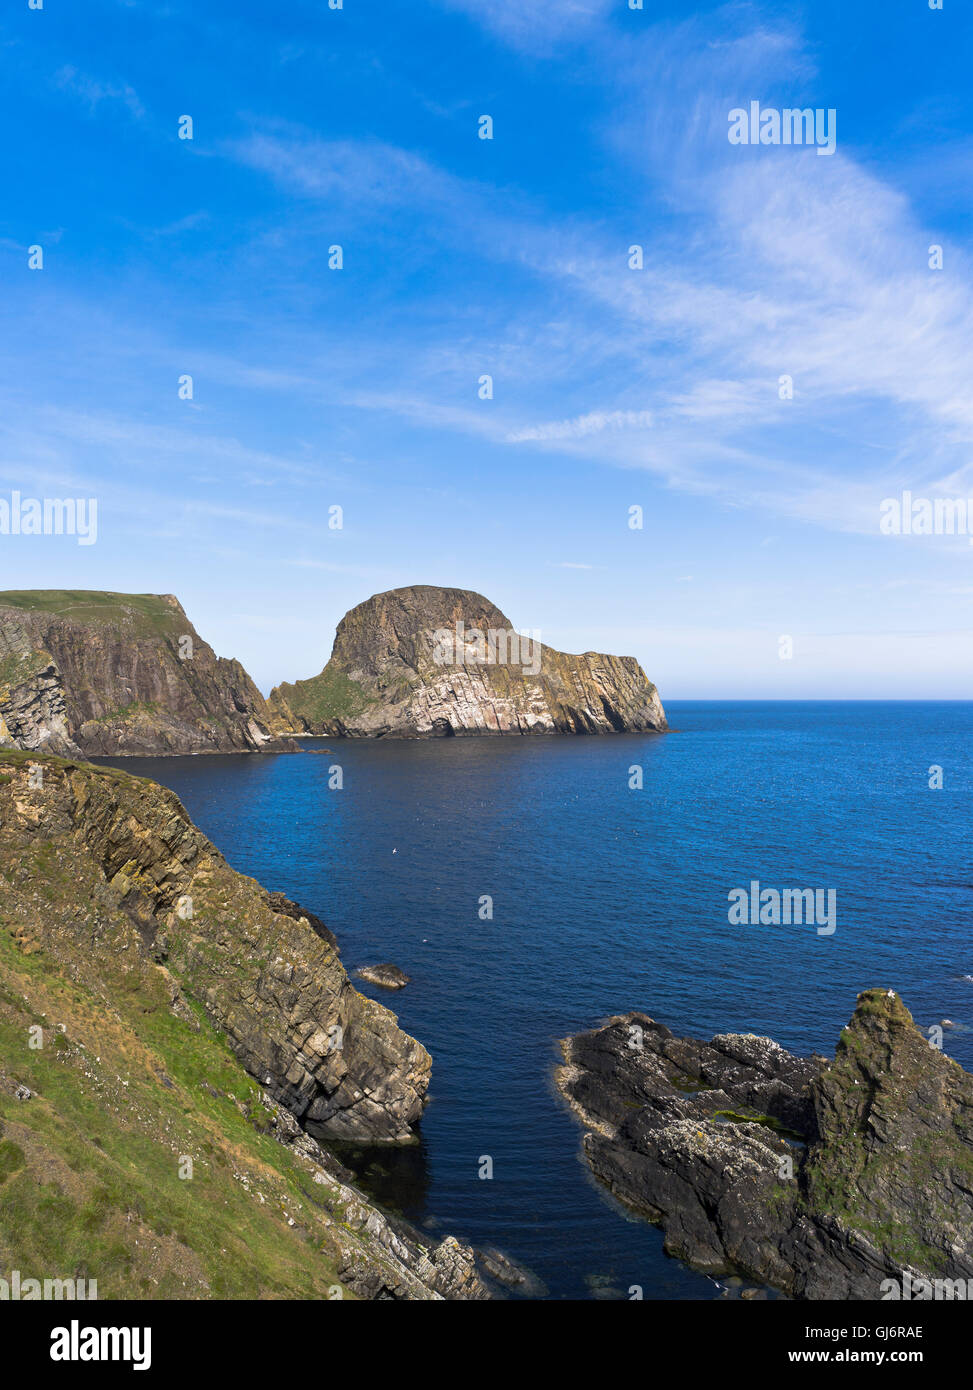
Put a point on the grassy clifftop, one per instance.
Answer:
(146, 613)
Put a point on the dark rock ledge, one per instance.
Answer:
(822, 1179)
(387, 976)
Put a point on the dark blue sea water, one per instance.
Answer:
(608, 899)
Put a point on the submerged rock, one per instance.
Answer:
(507, 1272)
(824, 1179)
(388, 976)
(426, 662)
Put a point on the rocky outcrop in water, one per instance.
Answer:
(89, 673)
(387, 976)
(427, 662)
(823, 1179)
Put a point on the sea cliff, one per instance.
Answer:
(89, 673)
(178, 1047)
(427, 662)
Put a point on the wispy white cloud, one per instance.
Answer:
(811, 269)
(93, 92)
(90, 449)
(420, 410)
(361, 571)
(535, 24)
(582, 426)
(361, 171)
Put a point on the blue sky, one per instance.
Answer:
(613, 387)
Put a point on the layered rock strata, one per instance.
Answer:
(428, 662)
(90, 673)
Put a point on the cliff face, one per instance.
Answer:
(149, 884)
(823, 1179)
(157, 1007)
(428, 662)
(97, 673)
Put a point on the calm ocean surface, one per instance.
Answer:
(608, 899)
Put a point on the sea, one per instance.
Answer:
(532, 887)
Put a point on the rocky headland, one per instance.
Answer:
(177, 1048)
(822, 1178)
(85, 673)
(427, 662)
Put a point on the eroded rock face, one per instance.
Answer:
(428, 662)
(121, 932)
(383, 1257)
(115, 674)
(107, 872)
(822, 1179)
